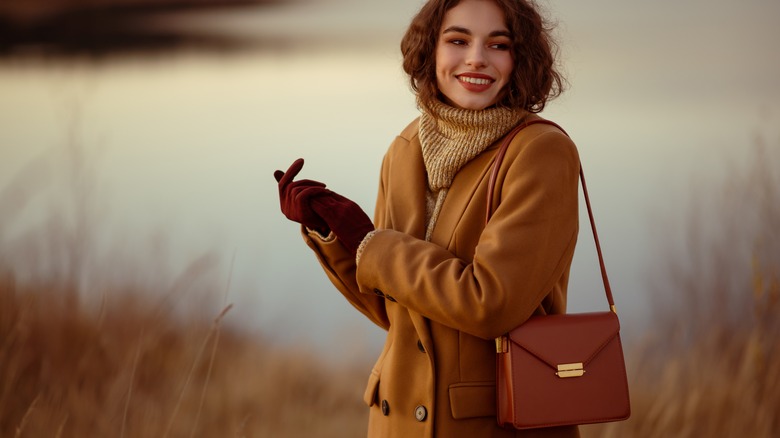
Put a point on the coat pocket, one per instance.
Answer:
(473, 399)
(372, 389)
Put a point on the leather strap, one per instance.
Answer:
(494, 176)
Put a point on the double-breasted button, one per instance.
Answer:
(420, 346)
(379, 293)
(385, 408)
(420, 413)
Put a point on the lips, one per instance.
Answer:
(475, 82)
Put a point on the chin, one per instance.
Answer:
(473, 104)
(477, 106)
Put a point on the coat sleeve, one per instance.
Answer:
(521, 255)
(340, 267)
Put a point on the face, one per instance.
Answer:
(473, 55)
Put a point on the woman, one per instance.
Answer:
(433, 274)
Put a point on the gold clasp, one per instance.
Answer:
(570, 370)
(500, 345)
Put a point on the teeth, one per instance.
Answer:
(477, 81)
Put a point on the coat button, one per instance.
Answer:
(420, 413)
(378, 293)
(420, 346)
(385, 408)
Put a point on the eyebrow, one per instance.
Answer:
(466, 31)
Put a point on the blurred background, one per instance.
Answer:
(137, 144)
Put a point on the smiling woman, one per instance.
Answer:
(428, 269)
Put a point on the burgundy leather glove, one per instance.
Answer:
(346, 219)
(295, 198)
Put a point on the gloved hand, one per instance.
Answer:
(296, 197)
(346, 219)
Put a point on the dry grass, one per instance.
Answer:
(128, 372)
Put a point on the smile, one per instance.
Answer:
(475, 81)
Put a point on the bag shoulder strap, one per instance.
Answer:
(494, 176)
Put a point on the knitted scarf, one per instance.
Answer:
(450, 138)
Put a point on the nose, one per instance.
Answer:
(476, 56)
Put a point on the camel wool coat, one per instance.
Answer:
(444, 302)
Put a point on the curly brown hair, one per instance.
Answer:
(535, 78)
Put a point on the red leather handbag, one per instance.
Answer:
(558, 370)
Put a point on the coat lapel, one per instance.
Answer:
(408, 188)
(462, 193)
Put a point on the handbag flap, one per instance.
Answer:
(568, 338)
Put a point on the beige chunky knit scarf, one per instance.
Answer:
(450, 138)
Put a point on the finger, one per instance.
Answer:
(278, 175)
(291, 173)
(308, 183)
(293, 190)
(305, 194)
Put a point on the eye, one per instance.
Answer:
(457, 41)
(499, 46)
